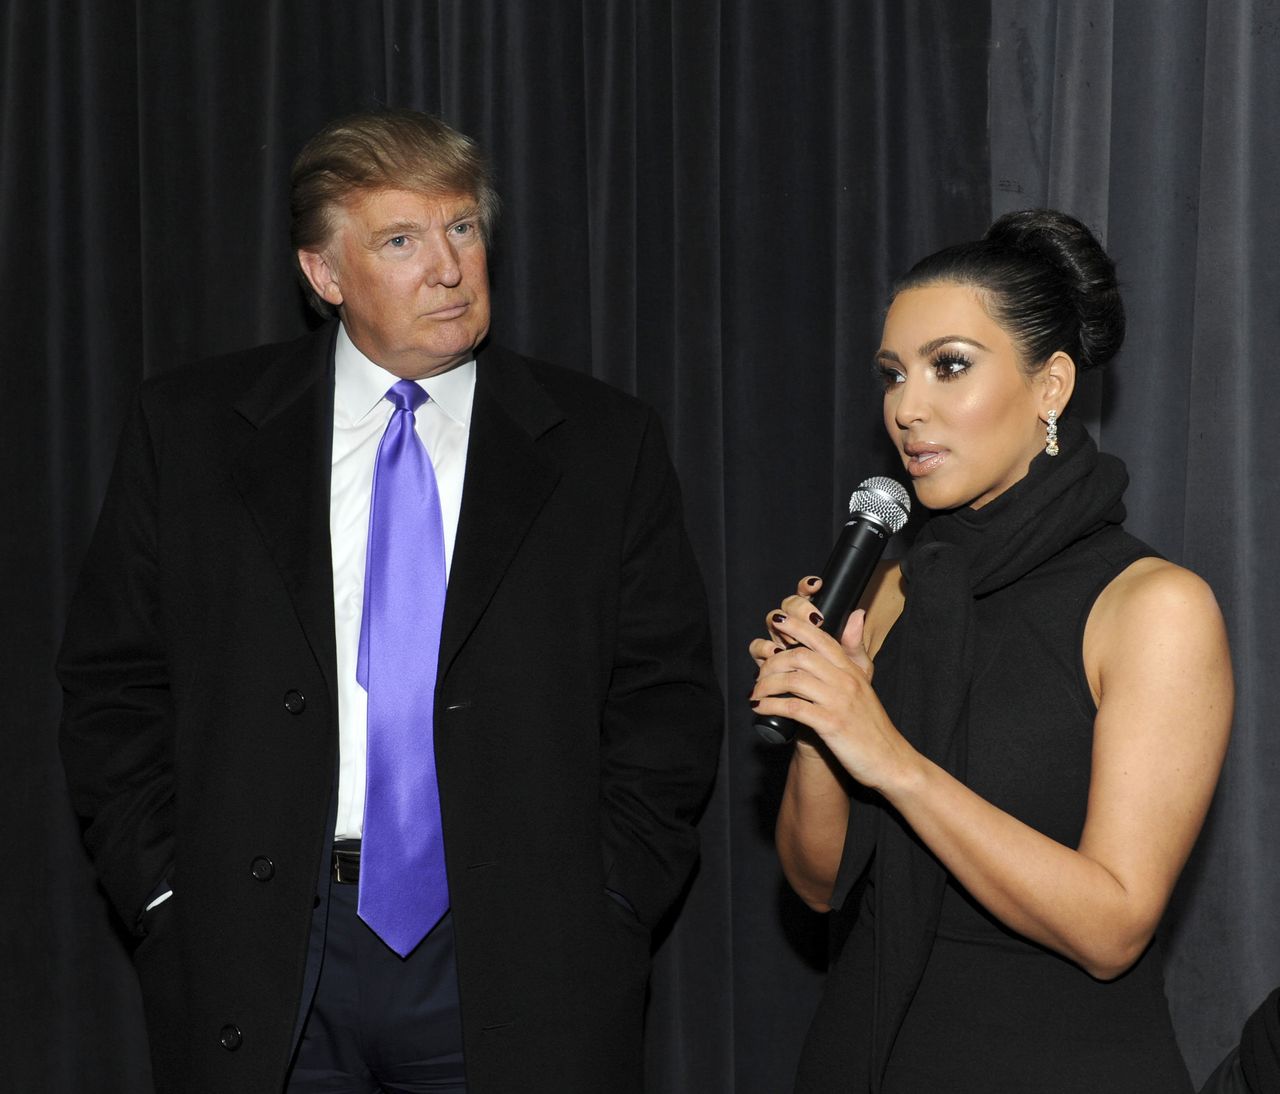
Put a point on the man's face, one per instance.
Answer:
(409, 276)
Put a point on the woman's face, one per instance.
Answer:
(966, 419)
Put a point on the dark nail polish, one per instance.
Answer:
(754, 702)
(812, 580)
(777, 649)
(778, 617)
(815, 619)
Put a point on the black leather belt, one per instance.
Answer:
(345, 868)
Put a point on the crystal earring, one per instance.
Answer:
(1051, 433)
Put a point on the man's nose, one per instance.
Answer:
(442, 267)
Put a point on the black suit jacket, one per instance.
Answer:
(577, 718)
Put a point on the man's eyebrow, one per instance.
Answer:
(409, 227)
(395, 228)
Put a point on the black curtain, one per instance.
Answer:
(1156, 122)
(704, 203)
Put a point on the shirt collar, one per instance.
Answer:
(360, 385)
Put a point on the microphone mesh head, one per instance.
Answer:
(884, 500)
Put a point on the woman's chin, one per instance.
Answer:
(935, 496)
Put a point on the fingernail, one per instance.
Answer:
(754, 702)
(777, 649)
(812, 580)
(778, 617)
(815, 618)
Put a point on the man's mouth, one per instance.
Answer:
(447, 311)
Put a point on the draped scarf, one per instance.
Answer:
(957, 558)
(1260, 1046)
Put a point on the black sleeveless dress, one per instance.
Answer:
(962, 1004)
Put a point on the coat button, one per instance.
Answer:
(229, 1038)
(263, 869)
(294, 701)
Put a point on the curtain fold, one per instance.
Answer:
(1228, 530)
(1154, 122)
(71, 334)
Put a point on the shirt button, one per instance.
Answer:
(229, 1038)
(263, 869)
(294, 701)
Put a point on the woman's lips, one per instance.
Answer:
(924, 459)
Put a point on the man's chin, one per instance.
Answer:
(434, 359)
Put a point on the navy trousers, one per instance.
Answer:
(380, 1022)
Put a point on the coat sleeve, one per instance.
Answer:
(115, 739)
(663, 717)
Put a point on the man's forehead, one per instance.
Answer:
(372, 208)
(382, 197)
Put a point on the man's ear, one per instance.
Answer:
(1057, 382)
(322, 275)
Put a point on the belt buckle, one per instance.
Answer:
(346, 867)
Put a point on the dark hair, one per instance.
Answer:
(1046, 280)
(376, 150)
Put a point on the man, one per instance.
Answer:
(262, 667)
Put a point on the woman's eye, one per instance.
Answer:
(889, 377)
(949, 366)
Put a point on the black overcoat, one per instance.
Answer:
(577, 718)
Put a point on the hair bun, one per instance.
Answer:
(1062, 242)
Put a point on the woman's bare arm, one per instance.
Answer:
(1156, 655)
(814, 815)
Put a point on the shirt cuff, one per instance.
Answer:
(157, 901)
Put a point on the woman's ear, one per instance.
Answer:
(1057, 383)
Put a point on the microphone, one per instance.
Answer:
(877, 509)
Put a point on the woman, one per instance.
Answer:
(998, 824)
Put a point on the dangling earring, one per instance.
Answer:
(1051, 433)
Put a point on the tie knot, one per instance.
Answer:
(406, 395)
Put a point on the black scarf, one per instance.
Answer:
(957, 557)
(1260, 1046)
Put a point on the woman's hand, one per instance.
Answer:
(806, 675)
(763, 648)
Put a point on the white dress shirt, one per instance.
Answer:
(360, 416)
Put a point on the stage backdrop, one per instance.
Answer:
(704, 204)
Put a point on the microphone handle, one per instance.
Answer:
(844, 579)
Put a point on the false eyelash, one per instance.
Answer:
(885, 376)
(943, 361)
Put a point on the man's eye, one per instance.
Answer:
(398, 241)
(463, 228)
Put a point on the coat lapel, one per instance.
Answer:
(282, 474)
(507, 482)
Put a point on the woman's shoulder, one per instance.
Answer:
(1149, 589)
(1148, 608)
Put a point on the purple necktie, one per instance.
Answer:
(403, 890)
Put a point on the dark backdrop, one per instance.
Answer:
(704, 203)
